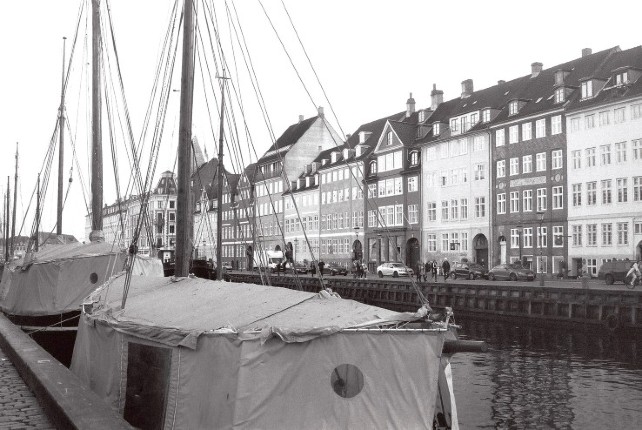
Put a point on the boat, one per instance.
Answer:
(185, 352)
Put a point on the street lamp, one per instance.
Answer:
(540, 216)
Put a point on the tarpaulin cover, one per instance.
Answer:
(231, 379)
(57, 278)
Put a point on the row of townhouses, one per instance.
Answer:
(545, 169)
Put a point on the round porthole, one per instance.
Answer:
(346, 380)
(93, 278)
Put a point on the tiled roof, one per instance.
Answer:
(406, 132)
(290, 136)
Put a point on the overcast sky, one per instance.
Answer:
(369, 55)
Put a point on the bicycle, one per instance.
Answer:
(633, 281)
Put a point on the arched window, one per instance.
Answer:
(373, 167)
(414, 158)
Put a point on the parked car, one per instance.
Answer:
(298, 268)
(334, 269)
(510, 272)
(615, 270)
(394, 269)
(468, 270)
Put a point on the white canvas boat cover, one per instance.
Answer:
(247, 356)
(57, 278)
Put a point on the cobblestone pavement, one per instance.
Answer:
(19, 408)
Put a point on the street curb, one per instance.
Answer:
(67, 403)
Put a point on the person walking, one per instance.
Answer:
(445, 267)
(634, 273)
(434, 270)
(427, 270)
(418, 272)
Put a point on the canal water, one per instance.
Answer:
(548, 378)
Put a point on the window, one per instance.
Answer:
(473, 119)
(637, 228)
(637, 189)
(527, 200)
(590, 157)
(412, 184)
(513, 134)
(591, 234)
(619, 115)
(514, 238)
(528, 237)
(540, 158)
(636, 111)
(432, 242)
(444, 210)
(622, 78)
(432, 211)
(606, 191)
(558, 236)
(556, 124)
(480, 207)
(413, 214)
(389, 138)
(607, 234)
(591, 193)
(372, 192)
(605, 154)
(480, 171)
(444, 178)
(527, 131)
(622, 233)
(486, 115)
(463, 213)
(453, 125)
(605, 118)
(577, 194)
(577, 159)
(454, 210)
(541, 199)
(444, 242)
(556, 159)
(479, 143)
(589, 121)
(587, 89)
(499, 137)
(622, 190)
(512, 107)
(373, 168)
(436, 129)
(620, 152)
(464, 241)
(591, 265)
(575, 124)
(558, 197)
(577, 235)
(464, 124)
(501, 203)
(559, 95)
(514, 201)
(637, 149)
(414, 158)
(542, 237)
(527, 164)
(540, 128)
(514, 166)
(501, 168)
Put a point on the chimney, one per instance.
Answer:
(348, 136)
(586, 52)
(320, 110)
(536, 68)
(410, 106)
(300, 119)
(466, 88)
(436, 97)
(501, 82)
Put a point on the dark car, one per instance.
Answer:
(510, 272)
(298, 268)
(615, 270)
(334, 269)
(468, 270)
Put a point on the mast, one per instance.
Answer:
(96, 130)
(35, 248)
(219, 179)
(184, 212)
(6, 222)
(61, 146)
(15, 201)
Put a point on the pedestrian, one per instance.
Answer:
(362, 270)
(445, 267)
(634, 273)
(427, 270)
(418, 273)
(434, 268)
(321, 265)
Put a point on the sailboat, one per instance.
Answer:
(43, 291)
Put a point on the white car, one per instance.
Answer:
(393, 269)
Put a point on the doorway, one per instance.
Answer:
(480, 245)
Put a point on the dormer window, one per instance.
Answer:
(464, 124)
(560, 75)
(414, 158)
(453, 125)
(486, 115)
(333, 157)
(389, 138)
(373, 167)
(559, 95)
(587, 89)
(436, 129)
(421, 116)
(473, 119)
(621, 78)
(513, 107)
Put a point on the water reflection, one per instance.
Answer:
(541, 378)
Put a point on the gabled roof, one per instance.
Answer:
(289, 137)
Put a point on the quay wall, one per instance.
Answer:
(607, 307)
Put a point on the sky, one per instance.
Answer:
(368, 55)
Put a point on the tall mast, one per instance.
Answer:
(96, 130)
(15, 201)
(37, 239)
(61, 146)
(6, 222)
(219, 179)
(184, 210)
